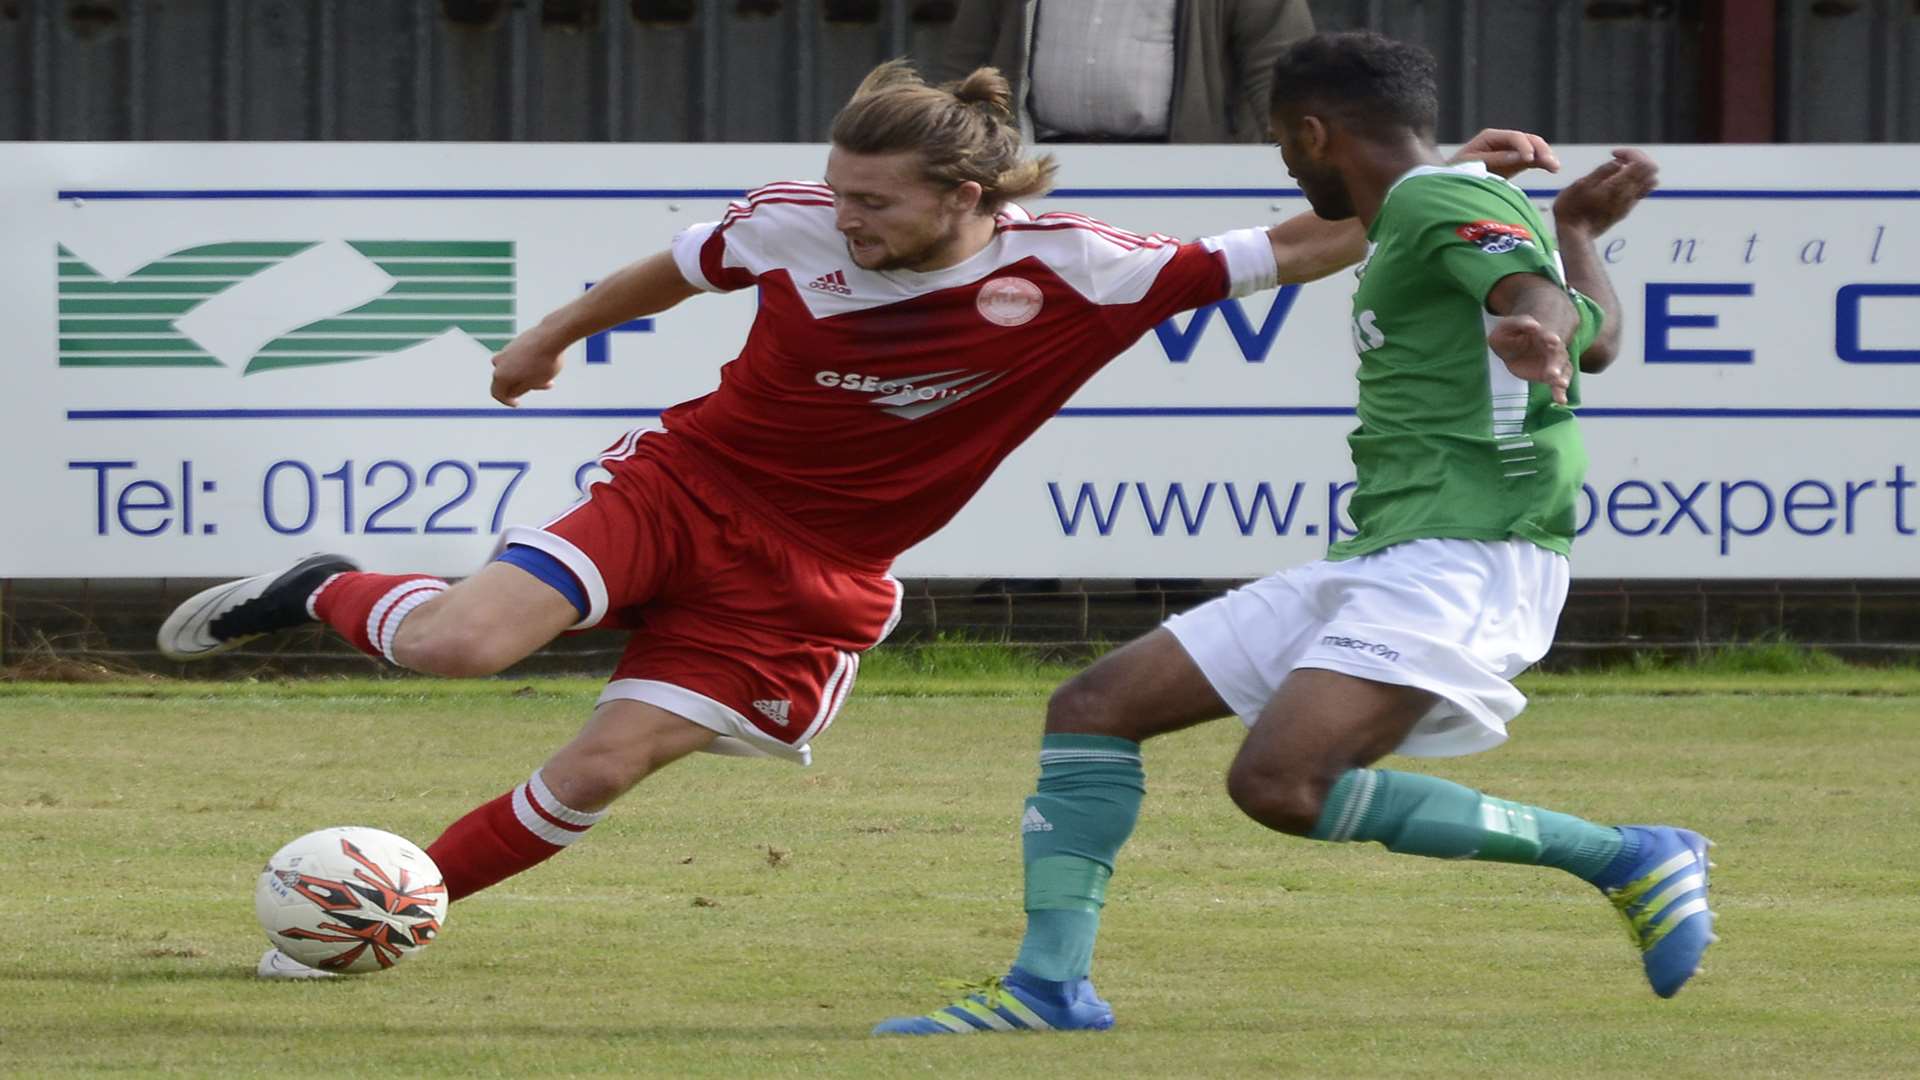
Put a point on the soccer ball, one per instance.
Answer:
(350, 899)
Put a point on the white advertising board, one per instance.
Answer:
(224, 356)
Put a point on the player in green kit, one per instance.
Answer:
(1469, 320)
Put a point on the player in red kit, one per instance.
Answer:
(915, 326)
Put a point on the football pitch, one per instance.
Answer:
(746, 918)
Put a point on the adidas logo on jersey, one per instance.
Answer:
(1035, 821)
(835, 282)
(775, 711)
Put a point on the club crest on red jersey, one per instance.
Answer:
(1009, 301)
(1493, 237)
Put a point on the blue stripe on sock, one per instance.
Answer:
(550, 570)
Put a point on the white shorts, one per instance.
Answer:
(1457, 618)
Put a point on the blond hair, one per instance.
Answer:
(963, 130)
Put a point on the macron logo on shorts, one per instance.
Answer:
(835, 282)
(1382, 651)
(775, 711)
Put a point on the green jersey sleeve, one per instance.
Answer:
(1477, 230)
(1474, 232)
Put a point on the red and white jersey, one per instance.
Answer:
(868, 406)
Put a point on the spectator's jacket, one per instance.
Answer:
(1224, 52)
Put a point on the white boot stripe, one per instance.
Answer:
(1692, 907)
(1672, 865)
(1674, 891)
(986, 1015)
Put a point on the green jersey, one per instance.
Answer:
(1450, 443)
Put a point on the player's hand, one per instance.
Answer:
(1508, 153)
(1532, 352)
(1599, 200)
(527, 363)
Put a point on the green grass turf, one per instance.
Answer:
(741, 918)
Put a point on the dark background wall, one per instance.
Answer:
(775, 70)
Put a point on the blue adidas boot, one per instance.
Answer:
(1017, 1002)
(1659, 883)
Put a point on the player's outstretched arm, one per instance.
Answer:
(1586, 208)
(1507, 153)
(1537, 321)
(531, 361)
(1308, 247)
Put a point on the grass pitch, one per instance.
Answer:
(741, 918)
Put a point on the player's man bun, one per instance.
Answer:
(963, 130)
(987, 87)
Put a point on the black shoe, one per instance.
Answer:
(235, 613)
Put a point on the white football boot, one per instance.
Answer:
(231, 614)
(275, 964)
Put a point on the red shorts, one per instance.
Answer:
(739, 621)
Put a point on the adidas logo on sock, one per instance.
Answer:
(1035, 821)
(775, 711)
(835, 282)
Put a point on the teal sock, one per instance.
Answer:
(1425, 815)
(1075, 821)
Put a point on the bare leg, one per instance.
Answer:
(483, 625)
(1319, 725)
(1147, 687)
(622, 744)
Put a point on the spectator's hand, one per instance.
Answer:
(527, 363)
(1599, 200)
(1508, 153)
(1532, 352)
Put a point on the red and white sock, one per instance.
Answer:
(367, 609)
(521, 829)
